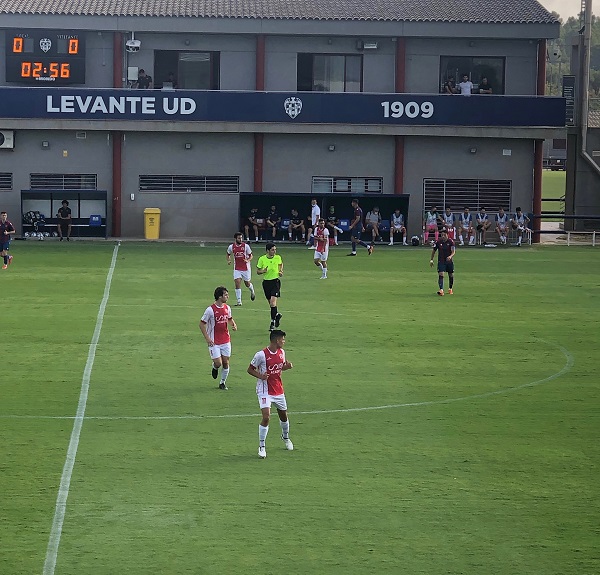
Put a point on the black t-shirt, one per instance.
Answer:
(295, 219)
(144, 81)
(64, 212)
(273, 217)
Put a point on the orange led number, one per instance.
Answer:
(65, 71)
(25, 69)
(73, 46)
(17, 45)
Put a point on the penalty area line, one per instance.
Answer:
(65, 480)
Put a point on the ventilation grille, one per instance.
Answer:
(188, 184)
(330, 185)
(474, 194)
(63, 181)
(5, 181)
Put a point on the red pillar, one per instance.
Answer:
(117, 138)
(400, 65)
(399, 86)
(259, 138)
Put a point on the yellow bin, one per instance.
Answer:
(152, 223)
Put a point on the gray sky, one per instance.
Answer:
(566, 8)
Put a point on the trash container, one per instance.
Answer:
(152, 223)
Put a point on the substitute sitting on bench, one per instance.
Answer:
(64, 221)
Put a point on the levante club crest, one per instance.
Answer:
(292, 106)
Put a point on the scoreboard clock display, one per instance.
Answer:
(45, 57)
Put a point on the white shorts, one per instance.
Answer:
(397, 228)
(218, 350)
(239, 274)
(265, 400)
(322, 255)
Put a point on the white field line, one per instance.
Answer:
(570, 361)
(65, 480)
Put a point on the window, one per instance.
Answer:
(476, 68)
(329, 185)
(188, 184)
(63, 181)
(187, 70)
(329, 73)
(456, 194)
(559, 143)
(5, 182)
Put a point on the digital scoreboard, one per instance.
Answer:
(45, 57)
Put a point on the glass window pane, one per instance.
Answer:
(328, 73)
(353, 73)
(194, 70)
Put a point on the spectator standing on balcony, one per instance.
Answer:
(397, 227)
(502, 225)
(485, 87)
(466, 86)
(449, 86)
(144, 82)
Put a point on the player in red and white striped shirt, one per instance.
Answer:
(242, 256)
(321, 235)
(213, 325)
(267, 365)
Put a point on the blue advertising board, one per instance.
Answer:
(282, 107)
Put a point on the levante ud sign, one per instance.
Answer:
(271, 107)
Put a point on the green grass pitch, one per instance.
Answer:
(433, 435)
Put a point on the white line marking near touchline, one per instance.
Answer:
(65, 480)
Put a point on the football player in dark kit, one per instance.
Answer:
(445, 249)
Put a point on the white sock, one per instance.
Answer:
(338, 230)
(461, 238)
(285, 428)
(251, 288)
(224, 374)
(324, 272)
(262, 434)
(238, 295)
(391, 240)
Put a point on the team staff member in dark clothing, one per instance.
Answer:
(144, 81)
(64, 220)
(6, 228)
(445, 248)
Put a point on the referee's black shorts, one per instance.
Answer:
(272, 288)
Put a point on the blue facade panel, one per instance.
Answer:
(282, 107)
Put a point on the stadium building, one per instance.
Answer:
(279, 98)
